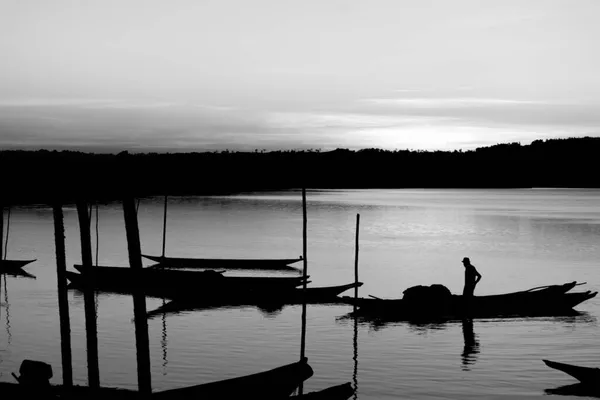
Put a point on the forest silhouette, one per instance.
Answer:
(44, 176)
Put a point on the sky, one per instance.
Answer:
(203, 75)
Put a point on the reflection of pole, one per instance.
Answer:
(91, 327)
(164, 227)
(142, 343)
(356, 262)
(63, 301)
(7, 305)
(163, 341)
(355, 358)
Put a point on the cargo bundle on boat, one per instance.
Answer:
(436, 302)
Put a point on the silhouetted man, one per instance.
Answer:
(472, 277)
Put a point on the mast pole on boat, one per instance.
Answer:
(164, 243)
(91, 327)
(356, 261)
(63, 300)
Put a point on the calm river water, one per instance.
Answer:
(517, 239)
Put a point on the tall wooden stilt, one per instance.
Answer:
(91, 328)
(139, 300)
(304, 274)
(164, 227)
(356, 260)
(63, 301)
(1, 231)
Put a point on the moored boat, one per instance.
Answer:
(586, 375)
(7, 266)
(173, 283)
(282, 264)
(315, 295)
(441, 304)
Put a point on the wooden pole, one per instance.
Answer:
(142, 341)
(63, 300)
(356, 259)
(164, 227)
(91, 328)
(304, 273)
(1, 230)
(7, 230)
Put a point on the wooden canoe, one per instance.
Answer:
(278, 383)
(161, 278)
(13, 265)
(315, 295)
(224, 263)
(550, 300)
(585, 375)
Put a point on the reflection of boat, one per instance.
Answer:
(315, 295)
(577, 389)
(586, 375)
(277, 383)
(171, 283)
(18, 273)
(224, 263)
(542, 301)
(8, 266)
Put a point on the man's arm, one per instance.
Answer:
(477, 276)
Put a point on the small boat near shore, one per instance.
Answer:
(436, 302)
(224, 263)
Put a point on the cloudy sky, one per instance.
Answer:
(195, 75)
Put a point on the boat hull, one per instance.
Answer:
(223, 263)
(586, 375)
(8, 266)
(553, 300)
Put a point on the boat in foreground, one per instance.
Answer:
(278, 383)
(275, 384)
(282, 264)
(436, 302)
(586, 375)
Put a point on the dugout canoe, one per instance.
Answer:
(267, 264)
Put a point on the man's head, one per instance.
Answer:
(466, 261)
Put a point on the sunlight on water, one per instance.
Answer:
(517, 239)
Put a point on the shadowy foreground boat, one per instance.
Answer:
(172, 283)
(315, 295)
(436, 302)
(276, 384)
(224, 263)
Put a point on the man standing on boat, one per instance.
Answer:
(472, 277)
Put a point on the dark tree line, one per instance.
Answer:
(43, 176)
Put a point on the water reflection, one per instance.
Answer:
(577, 389)
(471, 345)
(7, 311)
